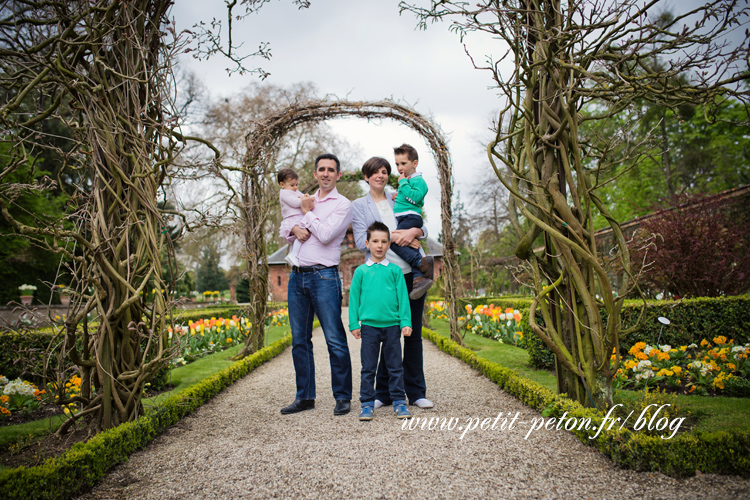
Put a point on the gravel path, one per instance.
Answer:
(239, 446)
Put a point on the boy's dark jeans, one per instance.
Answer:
(390, 338)
(410, 255)
(414, 382)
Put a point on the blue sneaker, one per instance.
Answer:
(401, 411)
(366, 413)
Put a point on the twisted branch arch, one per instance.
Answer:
(263, 143)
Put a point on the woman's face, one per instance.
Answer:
(378, 180)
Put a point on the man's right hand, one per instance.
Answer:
(300, 233)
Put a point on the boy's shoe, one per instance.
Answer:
(423, 403)
(366, 413)
(401, 411)
(291, 260)
(378, 403)
(427, 267)
(420, 287)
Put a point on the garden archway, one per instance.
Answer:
(263, 143)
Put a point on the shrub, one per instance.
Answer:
(699, 248)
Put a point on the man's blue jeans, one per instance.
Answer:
(390, 338)
(414, 382)
(318, 293)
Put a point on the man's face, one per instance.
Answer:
(378, 244)
(405, 166)
(326, 175)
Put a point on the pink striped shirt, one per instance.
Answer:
(327, 224)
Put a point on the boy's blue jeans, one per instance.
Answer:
(318, 293)
(410, 255)
(390, 338)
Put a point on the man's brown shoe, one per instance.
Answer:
(420, 287)
(427, 267)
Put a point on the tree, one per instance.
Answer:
(564, 56)
(227, 121)
(209, 277)
(687, 155)
(103, 70)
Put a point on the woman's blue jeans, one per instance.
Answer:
(318, 293)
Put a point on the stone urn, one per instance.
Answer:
(27, 299)
(65, 300)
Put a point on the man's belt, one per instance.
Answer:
(312, 269)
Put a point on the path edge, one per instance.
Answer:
(717, 452)
(81, 467)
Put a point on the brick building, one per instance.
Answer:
(351, 258)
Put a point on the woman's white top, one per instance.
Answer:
(389, 219)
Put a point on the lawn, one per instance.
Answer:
(713, 412)
(182, 377)
(502, 354)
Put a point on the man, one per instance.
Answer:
(315, 289)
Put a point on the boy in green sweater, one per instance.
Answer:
(408, 211)
(378, 314)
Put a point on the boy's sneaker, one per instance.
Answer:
(427, 267)
(401, 411)
(291, 260)
(378, 403)
(366, 413)
(421, 285)
(423, 403)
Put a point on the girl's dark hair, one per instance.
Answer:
(286, 174)
(373, 165)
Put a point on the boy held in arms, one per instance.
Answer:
(378, 314)
(290, 198)
(408, 211)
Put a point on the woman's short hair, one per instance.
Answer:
(372, 165)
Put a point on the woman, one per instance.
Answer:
(376, 206)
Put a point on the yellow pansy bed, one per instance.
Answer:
(718, 368)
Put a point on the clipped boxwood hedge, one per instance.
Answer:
(85, 463)
(681, 456)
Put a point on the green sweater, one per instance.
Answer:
(411, 193)
(378, 297)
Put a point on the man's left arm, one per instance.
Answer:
(326, 230)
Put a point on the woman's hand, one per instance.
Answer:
(407, 237)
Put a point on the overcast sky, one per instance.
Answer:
(365, 50)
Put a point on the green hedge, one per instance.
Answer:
(692, 320)
(681, 456)
(85, 463)
(23, 355)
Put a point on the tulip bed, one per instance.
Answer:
(192, 340)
